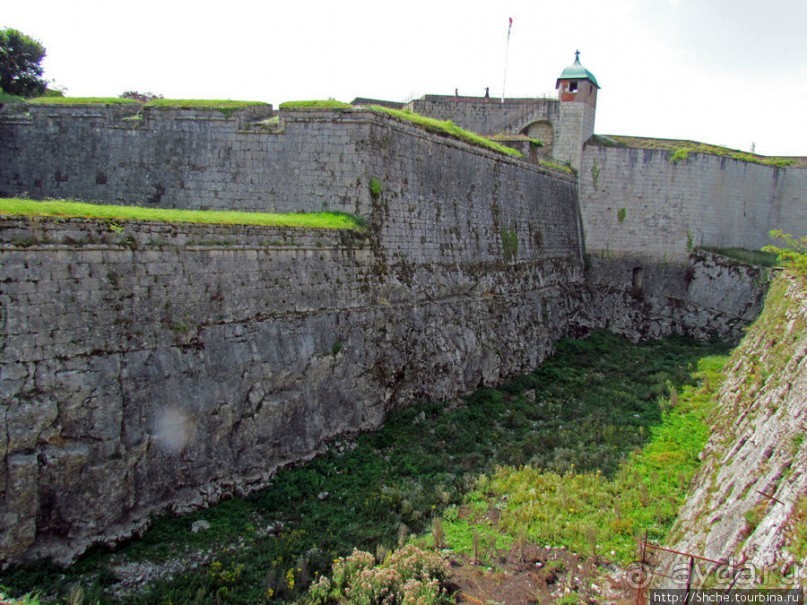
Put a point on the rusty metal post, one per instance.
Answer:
(689, 579)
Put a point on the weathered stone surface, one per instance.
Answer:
(741, 506)
(637, 200)
(642, 296)
(160, 368)
(19, 515)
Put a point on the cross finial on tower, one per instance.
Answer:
(577, 56)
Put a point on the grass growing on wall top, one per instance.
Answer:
(554, 165)
(446, 128)
(7, 98)
(80, 101)
(430, 124)
(680, 150)
(743, 255)
(225, 106)
(72, 209)
(316, 104)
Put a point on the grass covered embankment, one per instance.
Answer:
(75, 209)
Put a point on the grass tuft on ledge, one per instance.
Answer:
(74, 209)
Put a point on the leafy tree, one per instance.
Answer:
(20, 69)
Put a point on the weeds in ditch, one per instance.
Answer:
(579, 417)
(588, 511)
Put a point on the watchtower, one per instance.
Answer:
(577, 92)
(576, 84)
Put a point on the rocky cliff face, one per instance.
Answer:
(747, 502)
(642, 296)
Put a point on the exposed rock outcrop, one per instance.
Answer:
(744, 505)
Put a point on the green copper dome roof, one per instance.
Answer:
(576, 71)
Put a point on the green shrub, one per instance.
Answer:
(797, 540)
(375, 188)
(26, 600)
(7, 98)
(679, 155)
(509, 243)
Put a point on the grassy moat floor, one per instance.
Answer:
(535, 491)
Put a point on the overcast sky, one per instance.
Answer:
(729, 72)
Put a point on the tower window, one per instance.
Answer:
(573, 86)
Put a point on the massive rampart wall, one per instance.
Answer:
(639, 201)
(179, 158)
(311, 161)
(165, 365)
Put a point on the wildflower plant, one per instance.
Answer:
(409, 575)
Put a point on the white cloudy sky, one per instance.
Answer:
(730, 72)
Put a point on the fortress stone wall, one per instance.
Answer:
(161, 367)
(311, 161)
(638, 200)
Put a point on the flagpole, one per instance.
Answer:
(506, 55)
